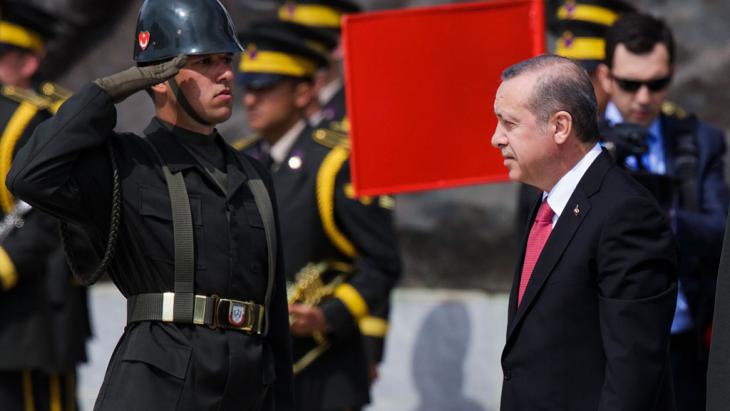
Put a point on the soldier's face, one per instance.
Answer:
(207, 82)
(529, 151)
(643, 105)
(273, 110)
(17, 68)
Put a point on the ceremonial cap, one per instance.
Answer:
(581, 27)
(275, 52)
(24, 26)
(317, 13)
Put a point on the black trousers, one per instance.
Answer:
(689, 371)
(37, 390)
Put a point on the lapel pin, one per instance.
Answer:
(576, 210)
(295, 162)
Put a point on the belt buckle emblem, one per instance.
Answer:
(236, 314)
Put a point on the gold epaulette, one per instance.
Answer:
(54, 91)
(245, 142)
(671, 109)
(336, 134)
(22, 95)
(57, 94)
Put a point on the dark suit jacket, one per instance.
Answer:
(592, 330)
(699, 232)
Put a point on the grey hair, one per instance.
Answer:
(562, 85)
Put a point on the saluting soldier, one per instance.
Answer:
(326, 15)
(196, 254)
(340, 251)
(44, 335)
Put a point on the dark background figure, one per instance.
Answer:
(718, 371)
(348, 243)
(43, 338)
(640, 63)
(442, 354)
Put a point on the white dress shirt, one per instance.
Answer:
(559, 195)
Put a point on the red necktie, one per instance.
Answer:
(539, 234)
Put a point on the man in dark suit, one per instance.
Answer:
(637, 73)
(327, 233)
(594, 292)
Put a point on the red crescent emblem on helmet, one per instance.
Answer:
(144, 39)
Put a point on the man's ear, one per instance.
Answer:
(561, 125)
(29, 64)
(604, 77)
(303, 94)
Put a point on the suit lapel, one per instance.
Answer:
(575, 212)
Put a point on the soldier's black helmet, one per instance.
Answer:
(167, 28)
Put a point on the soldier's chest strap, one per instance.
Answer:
(144, 307)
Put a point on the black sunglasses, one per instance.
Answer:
(633, 86)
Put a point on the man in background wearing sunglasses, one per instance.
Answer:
(637, 72)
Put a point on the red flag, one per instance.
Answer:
(420, 89)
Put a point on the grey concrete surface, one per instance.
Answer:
(442, 351)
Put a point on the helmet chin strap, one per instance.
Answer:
(184, 102)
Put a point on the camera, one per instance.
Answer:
(623, 140)
(627, 139)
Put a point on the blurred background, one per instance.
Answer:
(458, 245)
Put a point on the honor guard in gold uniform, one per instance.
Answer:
(340, 251)
(187, 225)
(45, 320)
(325, 15)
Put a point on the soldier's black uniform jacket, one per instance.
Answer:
(359, 231)
(65, 169)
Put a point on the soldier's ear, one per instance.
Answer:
(303, 94)
(29, 64)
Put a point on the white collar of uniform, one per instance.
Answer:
(558, 197)
(316, 118)
(280, 150)
(329, 90)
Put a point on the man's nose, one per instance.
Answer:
(249, 98)
(643, 94)
(499, 140)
